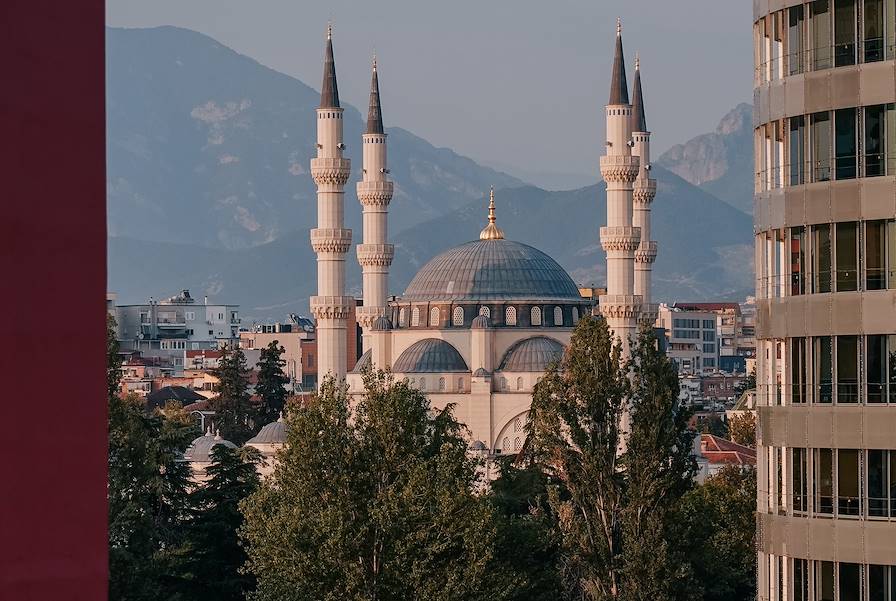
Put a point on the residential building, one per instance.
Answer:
(714, 453)
(691, 339)
(825, 224)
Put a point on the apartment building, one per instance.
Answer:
(691, 338)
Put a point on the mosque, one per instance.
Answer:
(480, 323)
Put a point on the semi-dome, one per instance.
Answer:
(532, 354)
(429, 355)
(382, 324)
(200, 450)
(492, 270)
(272, 433)
(365, 361)
(480, 322)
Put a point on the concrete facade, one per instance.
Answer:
(825, 224)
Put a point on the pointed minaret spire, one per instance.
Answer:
(329, 92)
(639, 121)
(618, 83)
(374, 111)
(491, 231)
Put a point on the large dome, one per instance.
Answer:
(492, 270)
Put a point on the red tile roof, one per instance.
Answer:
(719, 450)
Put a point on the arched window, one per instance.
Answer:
(457, 318)
(517, 425)
(434, 316)
(558, 316)
(536, 316)
(415, 317)
(510, 316)
(402, 318)
(422, 383)
(575, 315)
(442, 384)
(460, 384)
(519, 383)
(485, 311)
(517, 444)
(505, 445)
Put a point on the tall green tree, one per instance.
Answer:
(211, 556)
(717, 520)
(372, 501)
(574, 432)
(742, 428)
(658, 469)
(231, 404)
(271, 386)
(147, 493)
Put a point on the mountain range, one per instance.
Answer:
(208, 189)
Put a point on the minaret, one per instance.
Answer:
(643, 194)
(374, 193)
(620, 238)
(330, 240)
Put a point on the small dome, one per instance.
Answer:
(272, 433)
(365, 361)
(381, 324)
(481, 373)
(429, 355)
(200, 450)
(480, 323)
(478, 446)
(532, 355)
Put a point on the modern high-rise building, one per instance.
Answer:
(825, 223)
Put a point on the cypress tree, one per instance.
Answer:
(271, 386)
(231, 404)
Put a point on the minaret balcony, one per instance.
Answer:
(646, 253)
(375, 255)
(619, 168)
(650, 312)
(375, 193)
(620, 305)
(367, 315)
(331, 240)
(331, 307)
(620, 237)
(330, 171)
(644, 190)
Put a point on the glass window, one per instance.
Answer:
(848, 483)
(797, 142)
(823, 370)
(847, 259)
(485, 311)
(821, 254)
(402, 317)
(824, 586)
(797, 261)
(873, 30)
(510, 316)
(799, 480)
(457, 317)
(875, 255)
(798, 370)
(800, 580)
(877, 483)
(844, 33)
(820, 25)
(890, 137)
(821, 146)
(845, 142)
(849, 581)
(847, 369)
(890, 366)
(891, 256)
(558, 316)
(876, 368)
(824, 485)
(536, 316)
(795, 41)
(434, 316)
(415, 317)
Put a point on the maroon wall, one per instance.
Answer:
(52, 253)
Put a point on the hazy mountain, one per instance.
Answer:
(720, 162)
(704, 250)
(208, 147)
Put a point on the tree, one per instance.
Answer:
(658, 470)
(748, 383)
(715, 425)
(231, 403)
(574, 431)
(742, 428)
(211, 554)
(619, 490)
(717, 519)
(373, 500)
(271, 386)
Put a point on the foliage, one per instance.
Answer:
(717, 520)
(231, 403)
(748, 383)
(374, 500)
(211, 555)
(271, 386)
(715, 425)
(619, 489)
(742, 428)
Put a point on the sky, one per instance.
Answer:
(516, 84)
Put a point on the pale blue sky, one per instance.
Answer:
(520, 83)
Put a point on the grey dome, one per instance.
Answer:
(492, 270)
(481, 373)
(365, 361)
(429, 355)
(532, 354)
(480, 323)
(272, 433)
(201, 448)
(381, 324)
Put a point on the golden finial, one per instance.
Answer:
(637, 61)
(329, 30)
(618, 25)
(491, 231)
(374, 60)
